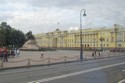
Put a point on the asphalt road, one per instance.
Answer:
(107, 70)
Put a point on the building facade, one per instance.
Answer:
(105, 38)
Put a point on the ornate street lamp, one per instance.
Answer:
(116, 30)
(81, 49)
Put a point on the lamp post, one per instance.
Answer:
(81, 46)
(116, 37)
(94, 42)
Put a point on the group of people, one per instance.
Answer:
(5, 53)
(94, 53)
(14, 52)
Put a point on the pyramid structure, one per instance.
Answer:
(30, 44)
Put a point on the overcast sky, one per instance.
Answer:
(41, 16)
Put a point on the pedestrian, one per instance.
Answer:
(93, 54)
(12, 53)
(42, 54)
(15, 51)
(99, 54)
(18, 52)
(5, 55)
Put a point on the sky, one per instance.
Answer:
(41, 16)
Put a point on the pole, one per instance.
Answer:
(81, 46)
(94, 46)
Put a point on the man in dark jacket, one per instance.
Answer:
(5, 55)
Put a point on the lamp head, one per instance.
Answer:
(84, 14)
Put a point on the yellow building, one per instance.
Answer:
(105, 38)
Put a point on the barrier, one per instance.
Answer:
(28, 64)
(39, 60)
(57, 59)
(63, 59)
(77, 58)
(17, 61)
(72, 57)
(48, 60)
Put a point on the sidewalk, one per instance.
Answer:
(34, 58)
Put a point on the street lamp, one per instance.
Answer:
(116, 30)
(94, 42)
(81, 49)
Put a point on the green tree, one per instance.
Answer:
(29, 35)
(10, 36)
(17, 38)
(2, 40)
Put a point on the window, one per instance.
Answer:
(112, 39)
(107, 39)
(100, 44)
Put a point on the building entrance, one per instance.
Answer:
(55, 42)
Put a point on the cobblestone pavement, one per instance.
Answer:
(27, 58)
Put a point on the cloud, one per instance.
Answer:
(43, 15)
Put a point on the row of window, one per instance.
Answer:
(89, 45)
(87, 40)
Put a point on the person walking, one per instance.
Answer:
(18, 52)
(42, 52)
(99, 54)
(93, 54)
(12, 53)
(5, 55)
(15, 51)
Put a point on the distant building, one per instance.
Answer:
(113, 37)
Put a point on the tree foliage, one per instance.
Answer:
(29, 35)
(10, 36)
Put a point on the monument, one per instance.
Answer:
(30, 45)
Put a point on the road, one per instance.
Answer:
(107, 70)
